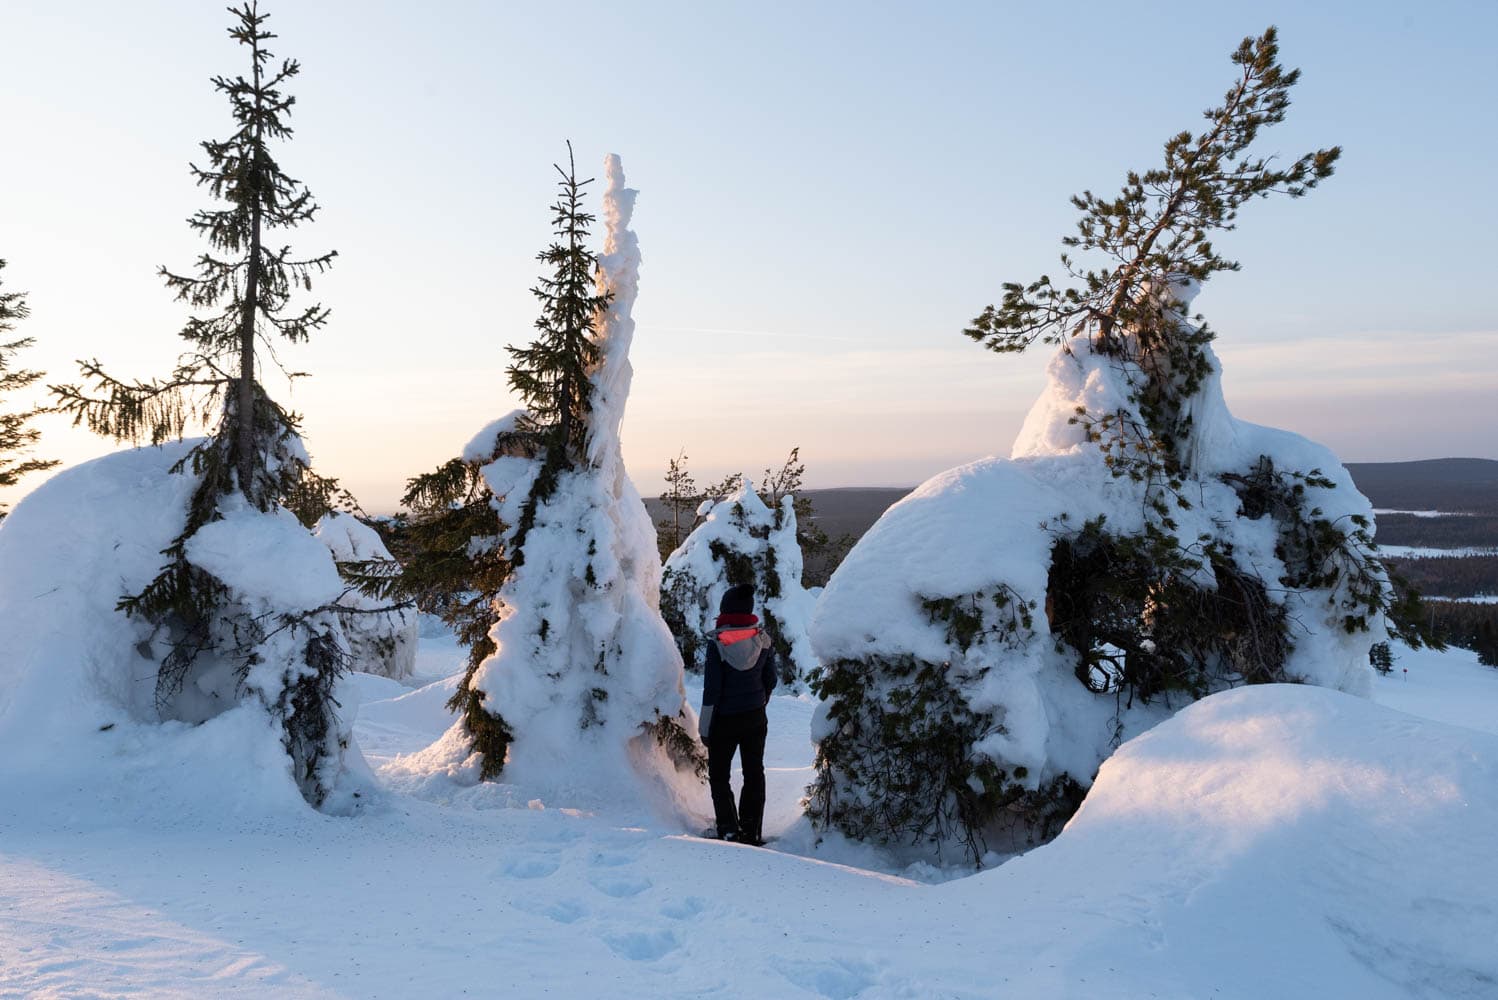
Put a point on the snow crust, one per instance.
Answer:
(989, 527)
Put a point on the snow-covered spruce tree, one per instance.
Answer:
(741, 540)
(997, 633)
(450, 561)
(582, 694)
(228, 627)
(382, 634)
(17, 437)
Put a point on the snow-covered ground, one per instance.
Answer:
(1273, 841)
(1426, 552)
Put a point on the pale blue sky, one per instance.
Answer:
(829, 193)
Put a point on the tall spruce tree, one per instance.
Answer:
(552, 378)
(17, 437)
(244, 285)
(574, 681)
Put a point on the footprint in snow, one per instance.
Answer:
(643, 946)
(684, 909)
(562, 911)
(840, 979)
(620, 885)
(530, 867)
(609, 859)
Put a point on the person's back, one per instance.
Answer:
(738, 676)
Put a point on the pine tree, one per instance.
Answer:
(820, 551)
(943, 740)
(16, 436)
(1156, 234)
(742, 540)
(253, 456)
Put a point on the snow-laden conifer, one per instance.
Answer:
(739, 541)
(1000, 630)
(382, 636)
(582, 693)
(243, 609)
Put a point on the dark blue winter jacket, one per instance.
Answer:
(738, 673)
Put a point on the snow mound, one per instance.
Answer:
(383, 643)
(233, 549)
(78, 677)
(1278, 840)
(741, 540)
(68, 552)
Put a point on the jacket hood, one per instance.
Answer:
(739, 646)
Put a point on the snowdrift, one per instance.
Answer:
(78, 677)
(1279, 840)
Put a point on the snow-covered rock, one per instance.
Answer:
(382, 643)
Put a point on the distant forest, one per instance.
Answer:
(1464, 487)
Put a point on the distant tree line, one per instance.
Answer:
(1470, 626)
(1452, 532)
(1449, 576)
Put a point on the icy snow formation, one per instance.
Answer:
(584, 661)
(383, 643)
(74, 667)
(988, 528)
(741, 540)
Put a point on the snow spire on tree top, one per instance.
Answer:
(619, 274)
(582, 695)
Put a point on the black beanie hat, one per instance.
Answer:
(737, 600)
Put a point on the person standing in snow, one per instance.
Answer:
(738, 676)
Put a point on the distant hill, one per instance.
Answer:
(1454, 485)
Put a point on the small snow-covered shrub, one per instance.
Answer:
(741, 541)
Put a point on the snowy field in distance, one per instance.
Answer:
(1278, 841)
(1426, 552)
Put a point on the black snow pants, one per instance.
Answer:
(744, 732)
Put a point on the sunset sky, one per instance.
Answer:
(829, 193)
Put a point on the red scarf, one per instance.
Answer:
(743, 627)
